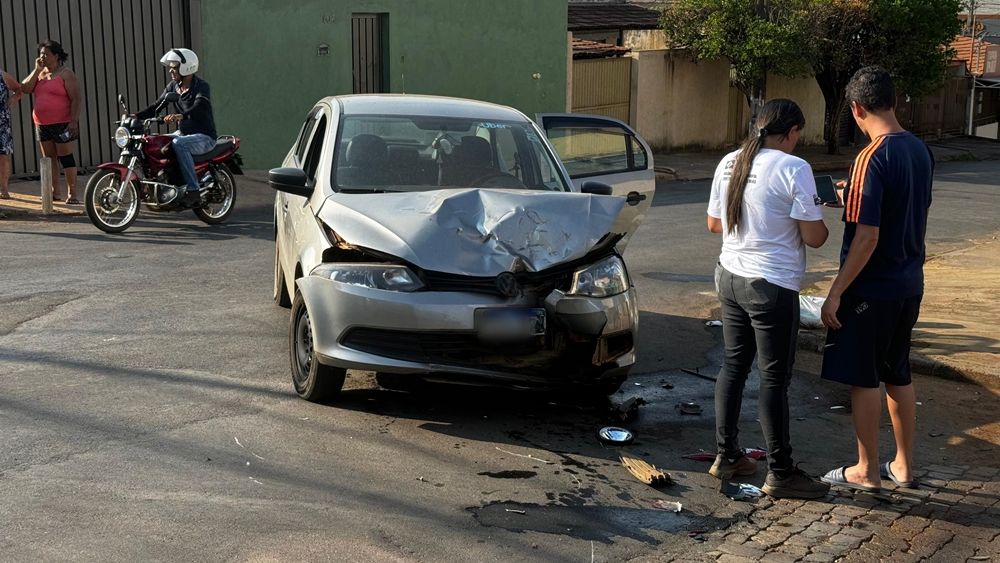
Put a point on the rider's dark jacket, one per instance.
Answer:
(195, 105)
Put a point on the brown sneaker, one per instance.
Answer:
(796, 484)
(725, 468)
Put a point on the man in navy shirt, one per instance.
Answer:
(195, 123)
(875, 299)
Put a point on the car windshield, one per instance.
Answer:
(419, 153)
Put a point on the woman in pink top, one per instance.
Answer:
(57, 112)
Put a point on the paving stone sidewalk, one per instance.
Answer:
(954, 516)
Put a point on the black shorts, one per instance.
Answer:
(53, 132)
(873, 344)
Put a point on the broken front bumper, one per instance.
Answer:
(587, 340)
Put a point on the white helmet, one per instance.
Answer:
(186, 58)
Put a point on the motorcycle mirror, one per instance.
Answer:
(171, 97)
(121, 102)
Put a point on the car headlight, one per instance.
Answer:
(376, 276)
(121, 137)
(603, 279)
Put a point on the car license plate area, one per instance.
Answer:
(507, 324)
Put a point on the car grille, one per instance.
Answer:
(538, 283)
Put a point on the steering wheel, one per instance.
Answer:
(498, 179)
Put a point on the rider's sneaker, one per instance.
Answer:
(725, 468)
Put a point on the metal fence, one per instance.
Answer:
(114, 47)
(603, 87)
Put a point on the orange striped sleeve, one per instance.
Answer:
(853, 211)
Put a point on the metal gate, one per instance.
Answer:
(114, 47)
(603, 87)
(368, 32)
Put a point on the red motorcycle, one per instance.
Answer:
(147, 172)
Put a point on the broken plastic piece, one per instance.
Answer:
(741, 491)
(690, 408)
(671, 505)
(627, 410)
(713, 323)
(755, 453)
(700, 456)
(615, 436)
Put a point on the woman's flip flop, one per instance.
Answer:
(837, 477)
(887, 474)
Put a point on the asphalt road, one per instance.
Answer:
(148, 414)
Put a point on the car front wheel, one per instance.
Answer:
(313, 381)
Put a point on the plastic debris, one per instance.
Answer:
(672, 506)
(689, 408)
(809, 311)
(837, 407)
(755, 453)
(615, 436)
(696, 373)
(627, 410)
(514, 510)
(700, 456)
(741, 491)
(713, 323)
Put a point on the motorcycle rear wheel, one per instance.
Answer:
(105, 209)
(215, 213)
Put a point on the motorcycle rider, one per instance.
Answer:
(196, 125)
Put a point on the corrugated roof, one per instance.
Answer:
(592, 16)
(974, 57)
(584, 49)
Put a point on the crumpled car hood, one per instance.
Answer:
(475, 232)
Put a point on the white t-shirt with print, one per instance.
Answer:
(780, 190)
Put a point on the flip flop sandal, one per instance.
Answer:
(5, 196)
(887, 474)
(838, 478)
(72, 201)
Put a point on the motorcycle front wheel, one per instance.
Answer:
(220, 199)
(110, 209)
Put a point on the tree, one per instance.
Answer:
(755, 36)
(909, 38)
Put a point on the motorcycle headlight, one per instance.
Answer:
(390, 277)
(121, 137)
(602, 279)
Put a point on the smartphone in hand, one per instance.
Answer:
(825, 190)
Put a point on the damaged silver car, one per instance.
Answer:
(456, 240)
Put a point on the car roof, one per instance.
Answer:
(411, 104)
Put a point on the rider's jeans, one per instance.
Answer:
(184, 147)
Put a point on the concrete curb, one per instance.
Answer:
(814, 340)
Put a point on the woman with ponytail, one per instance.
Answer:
(764, 204)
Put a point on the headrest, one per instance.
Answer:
(475, 151)
(366, 150)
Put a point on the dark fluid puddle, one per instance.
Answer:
(595, 523)
(509, 474)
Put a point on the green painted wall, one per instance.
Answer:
(260, 57)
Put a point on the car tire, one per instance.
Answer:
(313, 381)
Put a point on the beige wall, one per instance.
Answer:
(677, 103)
(806, 93)
(644, 39)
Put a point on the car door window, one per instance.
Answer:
(304, 135)
(592, 150)
(315, 148)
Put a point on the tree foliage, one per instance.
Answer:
(755, 36)
(828, 39)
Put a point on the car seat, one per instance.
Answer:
(471, 160)
(366, 162)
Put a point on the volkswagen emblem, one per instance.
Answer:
(507, 285)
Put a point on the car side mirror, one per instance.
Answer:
(290, 180)
(596, 188)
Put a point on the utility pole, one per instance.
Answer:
(971, 130)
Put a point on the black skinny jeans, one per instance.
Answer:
(759, 318)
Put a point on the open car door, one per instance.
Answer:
(603, 149)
